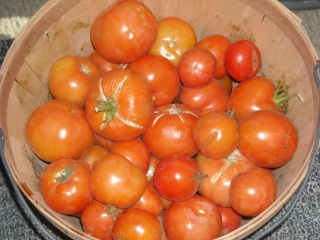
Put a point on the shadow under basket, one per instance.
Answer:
(62, 28)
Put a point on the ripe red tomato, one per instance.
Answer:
(59, 129)
(197, 67)
(161, 75)
(194, 218)
(217, 44)
(103, 64)
(91, 158)
(64, 185)
(211, 97)
(150, 201)
(116, 181)
(177, 177)
(70, 78)
(98, 218)
(170, 131)
(137, 223)
(231, 220)
(174, 37)
(124, 32)
(119, 106)
(252, 191)
(253, 94)
(220, 172)
(135, 151)
(216, 134)
(267, 138)
(242, 60)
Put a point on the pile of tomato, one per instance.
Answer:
(158, 135)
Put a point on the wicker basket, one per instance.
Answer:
(62, 27)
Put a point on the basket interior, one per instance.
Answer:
(62, 28)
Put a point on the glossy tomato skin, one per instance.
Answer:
(256, 93)
(124, 32)
(217, 45)
(231, 220)
(64, 185)
(137, 223)
(150, 201)
(53, 129)
(98, 218)
(242, 60)
(161, 75)
(197, 67)
(175, 36)
(211, 97)
(170, 131)
(116, 181)
(70, 78)
(252, 191)
(267, 138)
(220, 172)
(119, 106)
(216, 134)
(193, 218)
(177, 177)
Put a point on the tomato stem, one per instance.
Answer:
(108, 107)
(281, 98)
(112, 211)
(65, 175)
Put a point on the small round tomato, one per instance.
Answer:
(194, 218)
(119, 106)
(150, 201)
(254, 94)
(91, 158)
(70, 78)
(124, 32)
(135, 151)
(98, 218)
(103, 64)
(231, 220)
(211, 97)
(216, 134)
(177, 177)
(116, 181)
(252, 191)
(59, 129)
(64, 185)
(216, 44)
(170, 131)
(197, 67)
(267, 138)
(220, 172)
(175, 36)
(137, 223)
(242, 60)
(161, 75)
